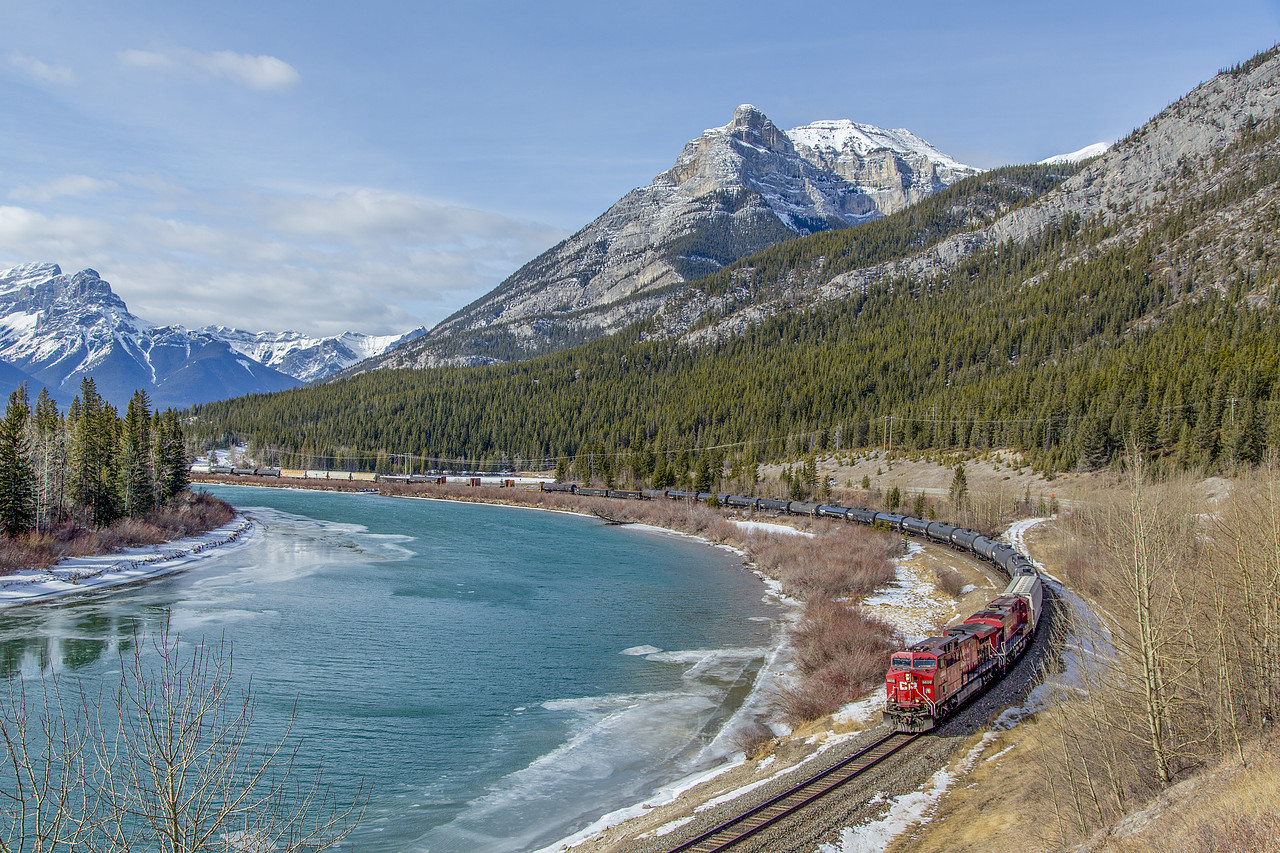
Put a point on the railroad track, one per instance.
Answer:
(745, 825)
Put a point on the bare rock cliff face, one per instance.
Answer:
(733, 191)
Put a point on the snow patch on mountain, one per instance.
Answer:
(1094, 150)
(56, 328)
(844, 137)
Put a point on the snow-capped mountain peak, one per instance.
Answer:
(57, 327)
(732, 191)
(842, 137)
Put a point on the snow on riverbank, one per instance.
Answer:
(911, 603)
(77, 575)
(918, 807)
(769, 527)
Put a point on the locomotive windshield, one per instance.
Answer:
(926, 663)
(902, 662)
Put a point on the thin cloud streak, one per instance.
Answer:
(43, 71)
(76, 186)
(261, 72)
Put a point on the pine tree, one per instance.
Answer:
(17, 480)
(92, 454)
(173, 470)
(133, 472)
(959, 487)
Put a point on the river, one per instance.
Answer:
(497, 677)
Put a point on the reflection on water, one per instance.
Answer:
(70, 636)
(466, 663)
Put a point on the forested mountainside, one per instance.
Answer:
(1134, 303)
(733, 191)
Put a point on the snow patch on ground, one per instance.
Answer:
(911, 603)
(909, 810)
(862, 711)
(770, 527)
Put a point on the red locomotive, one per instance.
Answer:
(934, 677)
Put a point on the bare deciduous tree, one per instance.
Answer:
(167, 761)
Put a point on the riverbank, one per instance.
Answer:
(80, 575)
(910, 599)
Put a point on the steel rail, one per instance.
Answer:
(796, 797)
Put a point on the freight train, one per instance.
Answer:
(926, 682)
(934, 677)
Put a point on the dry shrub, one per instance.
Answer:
(845, 562)
(190, 513)
(31, 551)
(841, 654)
(832, 633)
(754, 740)
(809, 700)
(951, 582)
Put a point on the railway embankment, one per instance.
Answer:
(909, 594)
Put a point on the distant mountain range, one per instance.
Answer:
(732, 192)
(56, 328)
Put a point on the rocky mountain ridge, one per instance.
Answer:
(1180, 156)
(56, 327)
(733, 191)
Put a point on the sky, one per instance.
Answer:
(374, 167)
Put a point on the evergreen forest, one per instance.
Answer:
(1150, 329)
(88, 466)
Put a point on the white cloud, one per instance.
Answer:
(359, 259)
(59, 74)
(262, 73)
(68, 185)
(145, 59)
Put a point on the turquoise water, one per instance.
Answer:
(497, 677)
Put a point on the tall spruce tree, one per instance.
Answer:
(93, 452)
(17, 481)
(134, 476)
(172, 471)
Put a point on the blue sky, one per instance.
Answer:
(326, 166)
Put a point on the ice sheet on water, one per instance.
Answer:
(715, 664)
(641, 650)
(623, 745)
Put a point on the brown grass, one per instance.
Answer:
(189, 514)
